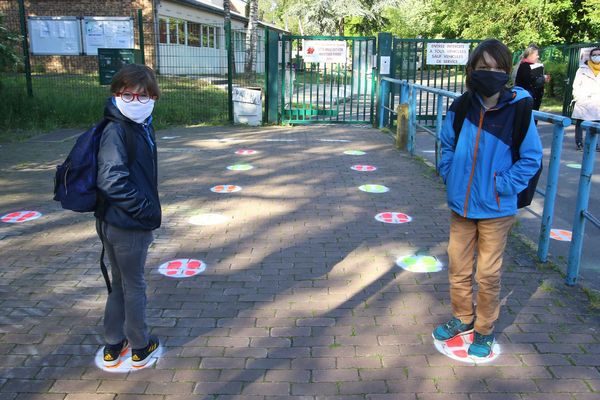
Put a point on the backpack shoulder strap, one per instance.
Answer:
(461, 105)
(523, 111)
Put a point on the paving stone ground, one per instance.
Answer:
(301, 298)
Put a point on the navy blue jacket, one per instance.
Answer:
(128, 190)
(481, 179)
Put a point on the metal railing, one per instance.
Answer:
(583, 196)
(408, 95)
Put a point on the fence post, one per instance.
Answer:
(551, 189)
(272, 68)
(230, 67)
(141, 34)
(583, 196)
(412, 119)
(402, 126)
(439, 120)
(384, 48)
(26, 61)
(382, 102)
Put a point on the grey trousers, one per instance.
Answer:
(125, 311)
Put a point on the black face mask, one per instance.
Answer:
(488, 83)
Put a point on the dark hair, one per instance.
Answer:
(132, 75)
(593, 50)
(496, 49)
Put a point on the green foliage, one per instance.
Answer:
(9, 59)
(558, 74)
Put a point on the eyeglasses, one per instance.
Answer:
(128, 97)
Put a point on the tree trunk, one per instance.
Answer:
(251, 35)
(341, 26)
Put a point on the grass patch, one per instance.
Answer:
(552, 105)
(593, 296)
(77, 101)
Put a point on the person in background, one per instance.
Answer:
(482, 185)
(586, 95)
(530, 75)
(128, 210)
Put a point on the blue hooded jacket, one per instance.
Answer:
(481, 179)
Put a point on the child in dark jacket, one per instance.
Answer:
(128, 210)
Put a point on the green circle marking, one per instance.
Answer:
(355, 152)
(240, 167)
(374, 188)
(574, 166)
(422, 264)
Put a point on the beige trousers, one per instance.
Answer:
(489, 237)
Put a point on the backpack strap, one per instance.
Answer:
(523, 111)
(461, 106)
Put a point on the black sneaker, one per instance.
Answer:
(140, 357)
(579, 146)
(114, 352)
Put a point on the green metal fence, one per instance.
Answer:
(190, 60)
(409, 62)
(327, 92)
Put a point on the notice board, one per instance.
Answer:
(54, 35)
(107, 32)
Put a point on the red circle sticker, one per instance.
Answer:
(393, 217)
(225, 189)
(182, 268)
(457, 349)
(20, 216)
(245, 152)
(364, 168)
(561, 235)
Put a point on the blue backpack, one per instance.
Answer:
(75, 179)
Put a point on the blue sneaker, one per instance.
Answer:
(482, 345)
(450, 329)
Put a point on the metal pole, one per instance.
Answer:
(551, 189)
(412, 119)
(583, 197)
(438, 130)
(382, 102)
(25, 45)
(141, 34)
(229, 48)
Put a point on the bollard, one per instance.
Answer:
(402, 126)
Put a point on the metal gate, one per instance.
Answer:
(409, 62)
(327, 92)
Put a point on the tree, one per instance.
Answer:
(326, 17)
(251, 35)
(9, 58)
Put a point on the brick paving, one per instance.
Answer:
(301, 298)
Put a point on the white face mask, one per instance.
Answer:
(595, 59)
(135, 110)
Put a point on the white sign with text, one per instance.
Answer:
(325, 51)
(447, 53)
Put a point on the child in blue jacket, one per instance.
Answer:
(482, 186)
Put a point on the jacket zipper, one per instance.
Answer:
(66, 173)
(496, 192)
(479, 127)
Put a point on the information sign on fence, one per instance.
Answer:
(447, 53)
(325, 51)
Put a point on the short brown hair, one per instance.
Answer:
(133, 75)
(496, 49)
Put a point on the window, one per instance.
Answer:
(187, 33)
(204, 36)
(193, 38)
(162, 30)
